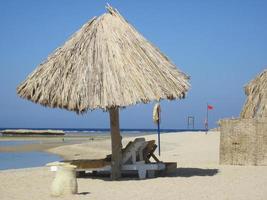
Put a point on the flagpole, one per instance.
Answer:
(207, 118)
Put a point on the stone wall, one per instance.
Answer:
(243, 141)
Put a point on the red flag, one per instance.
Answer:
(210, 107)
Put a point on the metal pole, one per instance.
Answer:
(159, 130)
(159, 136)
(191, 122)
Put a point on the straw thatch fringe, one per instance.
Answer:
(256, 103)
(105, 64)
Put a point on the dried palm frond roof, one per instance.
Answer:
(256, 103)
(105, 64)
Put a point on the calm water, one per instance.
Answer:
(16, 160)
(15, 143)
(25, 159)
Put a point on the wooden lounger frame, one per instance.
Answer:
(137, 160)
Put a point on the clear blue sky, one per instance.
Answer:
(220, 44)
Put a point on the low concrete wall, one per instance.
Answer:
(243, 141)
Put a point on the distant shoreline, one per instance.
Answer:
(166, 130)
(31, 132)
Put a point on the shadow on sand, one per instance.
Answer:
(83, 193)
(178, 172)
(189, 172)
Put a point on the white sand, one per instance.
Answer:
(196, 154)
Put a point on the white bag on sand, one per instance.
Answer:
(65, 182)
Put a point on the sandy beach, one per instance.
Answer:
(80, 80)
(198, 174)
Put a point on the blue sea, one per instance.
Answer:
(15, 160)
(70, 131)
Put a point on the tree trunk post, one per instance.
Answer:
(115, 144)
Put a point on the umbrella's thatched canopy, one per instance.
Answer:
(105, 64)
(256, 103)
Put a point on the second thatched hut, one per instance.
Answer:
(244, 140)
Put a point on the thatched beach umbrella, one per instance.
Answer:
(105, 65)
(256, 103)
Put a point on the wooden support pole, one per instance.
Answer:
(115, 144)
